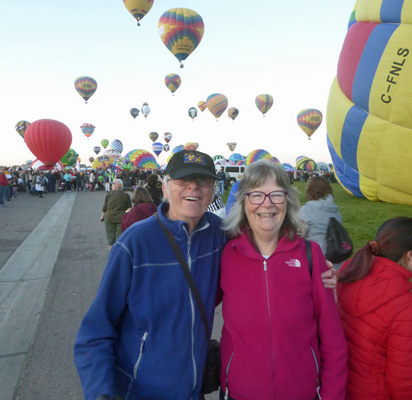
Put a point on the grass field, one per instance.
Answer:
(361, 217)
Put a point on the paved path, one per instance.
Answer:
(52, 254)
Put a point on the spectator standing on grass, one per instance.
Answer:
(221, 177)
(3, 185)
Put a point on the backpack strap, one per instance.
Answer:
(309, 255)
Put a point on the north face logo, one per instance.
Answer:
(293, 263)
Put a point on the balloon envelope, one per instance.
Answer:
(145, 109)
(166, 147)
(117, 145)
(134, 112)
(138, 8)
(232, 146)
(21, 127)
(104, 143)
(309, 120)
(192, 112)
(69, 159)
(157, 148)
(306, 164)
(236, 157)
(178, 148)
(85, 86)
(102, 162)
(48, 140)
(217, 104)
(191, 146)
(369, 112)
(202, 105)
(172, 82)
(37, 164)
(96, 149)
(167, 136)
(181, 31)
(264, 102)
(153, 136)
(257, 155)
(233, 112)
(142, 159)
(87, 129)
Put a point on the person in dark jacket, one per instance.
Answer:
(154, 190)
(143, 208)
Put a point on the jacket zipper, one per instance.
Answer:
(227, 377)
(265, 269)
(142, 343)
(317, 373)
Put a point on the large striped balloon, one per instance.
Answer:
(264, 102)
(85, 86)
(181, 31)
(217, 103)
(172, 82)
(369, 114)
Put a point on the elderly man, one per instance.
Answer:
(115, 204)
(143, 337)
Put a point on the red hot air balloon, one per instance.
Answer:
(48, 140)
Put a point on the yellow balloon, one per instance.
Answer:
(138, 8)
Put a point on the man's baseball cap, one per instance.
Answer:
(189, 162)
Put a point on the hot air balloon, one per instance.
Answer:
(233, 112)
(104, 143)
(48, 140)
(202, 105)
(178, 148)
(236, 157)
(138, 8)
(37, 164)
(309, 120)
(191, 146)
(167, 137)
(145, 109)
(87, 129)
(192, 113)
(85, 86)
(257, 155)
(69, 159)
(134, 112)
(113, 154)
(369, 112)
(172, 82)
(96, 149)
(306, 164)
(142, 159)
(153, 136)
(231, 145)
(21, 127)
(181, 31)
(91, 159)
(217, 104)
(102, 162)
(264, 102)
(166, 147)
(157, 148)
(116, 145)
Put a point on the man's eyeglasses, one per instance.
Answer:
(200, 181)
(258, 198)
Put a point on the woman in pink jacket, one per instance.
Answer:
(282, 338)
(375, 305)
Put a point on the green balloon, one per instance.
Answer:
(104, 143)
(69, 159)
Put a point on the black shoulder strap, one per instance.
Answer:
(309, 255)
(188, 276)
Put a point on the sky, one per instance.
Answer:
(288, 49)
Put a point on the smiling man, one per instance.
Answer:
(143, 337)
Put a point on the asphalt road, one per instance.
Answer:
(52, 255)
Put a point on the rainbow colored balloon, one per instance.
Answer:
(202, 105)
(369, 113)
(172, 82)
(138, 8)
(141, 159)
(217, 104)
(257, 155)
(91, 159)
(309, 120)
(85, 86)
(181, 31)
(264, 102)
(306, 164)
